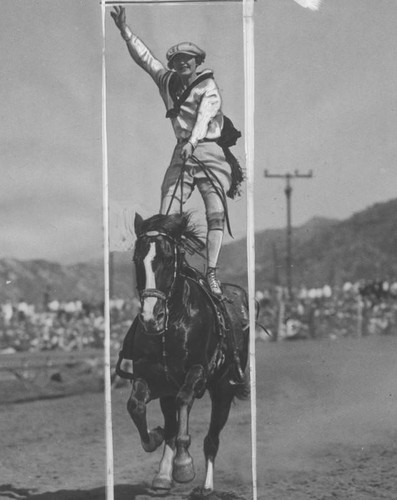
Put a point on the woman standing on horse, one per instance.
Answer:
(193, 104)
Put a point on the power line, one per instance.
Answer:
(288, 192)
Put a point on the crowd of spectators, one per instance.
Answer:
(70, 325)
(355, 309)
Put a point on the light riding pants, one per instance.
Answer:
(177, 189)
(211, 155)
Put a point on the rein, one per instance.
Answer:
(179, 181)
(215, 183)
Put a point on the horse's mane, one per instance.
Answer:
(178, 226)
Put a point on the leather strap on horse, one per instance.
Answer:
(153, 292)
(225, 330)
(179, 181)
(219, 315)
(216, 184)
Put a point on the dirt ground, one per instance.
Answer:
(327, 414)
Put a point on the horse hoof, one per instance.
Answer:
(199, 493)
(156, 437)
(161, 483)
(183, 471)
(206, 492)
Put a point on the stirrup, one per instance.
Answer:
(213, 282)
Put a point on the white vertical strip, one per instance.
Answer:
(106, 249)
(249, 76)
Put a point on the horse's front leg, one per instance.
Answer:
(136, 407)
(163, 479)
(183, 471)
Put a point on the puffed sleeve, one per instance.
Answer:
(146, 60)
(209, 107)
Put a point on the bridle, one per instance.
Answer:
(154, 292)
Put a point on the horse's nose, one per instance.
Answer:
(148, 307)
(149, 325)
(154, 324)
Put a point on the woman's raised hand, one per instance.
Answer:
(119, 17)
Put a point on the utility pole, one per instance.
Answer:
(288, 191)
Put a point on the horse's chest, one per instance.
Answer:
(172, 344)
(161, 363)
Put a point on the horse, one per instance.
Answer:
(182, 343)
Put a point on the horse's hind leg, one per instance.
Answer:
(136, 407)
(183, 463)
(163, 479)
(221, 398)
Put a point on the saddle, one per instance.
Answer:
(221, 305)
(230, 311)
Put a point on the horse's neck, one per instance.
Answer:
(181, 293)
(186, 293)
(191, 272)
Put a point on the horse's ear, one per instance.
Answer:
(138, 224)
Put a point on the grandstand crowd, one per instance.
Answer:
(355, 309)
(67, 326)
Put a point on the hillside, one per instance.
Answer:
(32, 280)
(270, 253)
(362, 246)
(324, 251)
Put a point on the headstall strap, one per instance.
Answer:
(153, 292)
(159, 233)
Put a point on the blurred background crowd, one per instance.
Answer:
(66, 326)
(355, 309)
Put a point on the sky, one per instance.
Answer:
(325, 101)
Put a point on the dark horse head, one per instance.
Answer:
(158, 256)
